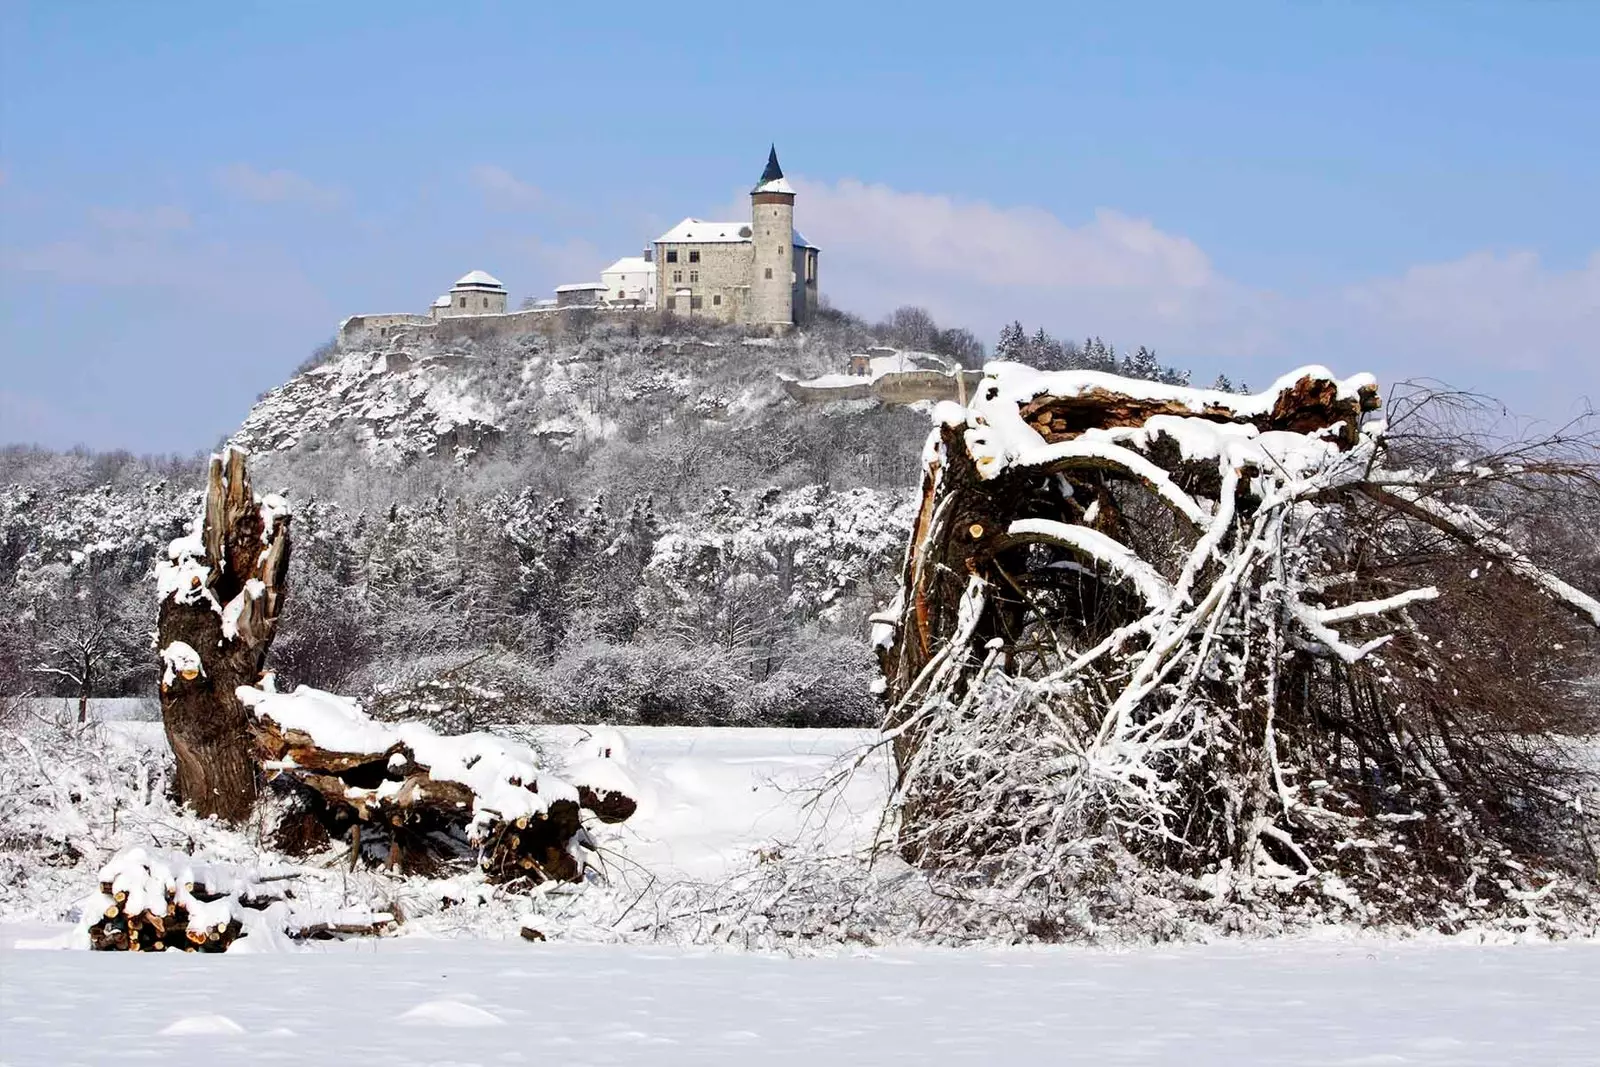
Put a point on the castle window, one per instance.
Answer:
(619, 294)
(694, 276)
(769, 272)
(672, 255)
(485, 301)
(716, 301)
(694, 255)
(694, 303)
(677, 276)
(672, 303)
(463, 302)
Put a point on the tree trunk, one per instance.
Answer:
(222, 592)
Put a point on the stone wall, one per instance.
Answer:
(720, 278)
(772, 267)
(805, 284)
(478, 303)
(359, 330)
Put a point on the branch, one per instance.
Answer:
(1465, 526)
(1096, 547)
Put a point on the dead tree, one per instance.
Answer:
(1194, 645)
(416, 800)
(222, 590)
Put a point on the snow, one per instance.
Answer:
(1019, 383)
(335, 722)
(474, 992)
(1096, 546)
(179, 658)
(699, 231)
(473, 1001)
(629, 265)
(504, 775)
(710, 798)
(478, 279)
(453, 1013)
(211, 1025)
(776, 185)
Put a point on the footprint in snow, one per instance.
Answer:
(195, 1025)
(450, 1013)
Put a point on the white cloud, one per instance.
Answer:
(274, 186)
(1506, 324)
(988, 245)
(502, 189)
(1508, 312)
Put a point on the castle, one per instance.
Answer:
(763, 273)
(759, 273)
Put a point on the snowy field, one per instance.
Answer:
(458, 987)
(416, 1001)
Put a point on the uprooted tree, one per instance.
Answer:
(1164, 653)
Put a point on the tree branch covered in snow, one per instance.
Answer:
(1236, 653)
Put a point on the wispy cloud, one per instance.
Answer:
(1507, 323)
(502, 189)
(274, 186)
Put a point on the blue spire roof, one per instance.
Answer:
(773, 171)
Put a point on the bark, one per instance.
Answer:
(391, 807)
(206, 725)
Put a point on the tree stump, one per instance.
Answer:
(222, 590)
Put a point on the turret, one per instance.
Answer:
(772, 241)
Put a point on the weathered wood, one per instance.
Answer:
(418, 822)
(225, 609)
(1308, 404)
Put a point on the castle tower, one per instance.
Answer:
(772, 240)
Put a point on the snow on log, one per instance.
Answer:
(155, 901)
(421, 792)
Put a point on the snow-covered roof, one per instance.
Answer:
(699, 231)
(578, 287)
(442, 302)
(629, 265)
(777, 185)
(478, 279)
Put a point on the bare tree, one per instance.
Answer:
(83, 631)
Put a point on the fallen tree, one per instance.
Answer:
(415, 799)
(1162, 653)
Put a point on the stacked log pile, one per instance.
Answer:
(153, 901)
(416, 800)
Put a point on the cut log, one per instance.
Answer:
(420, 799)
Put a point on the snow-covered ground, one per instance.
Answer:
(416, 1001)
(458, 986)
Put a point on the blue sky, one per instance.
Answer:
(192, 195)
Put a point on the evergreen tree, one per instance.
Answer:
(1013, 343)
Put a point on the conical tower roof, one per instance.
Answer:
(772, 179)
(773, 171)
